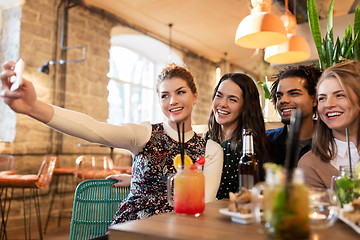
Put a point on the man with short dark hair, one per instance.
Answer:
(294, 88)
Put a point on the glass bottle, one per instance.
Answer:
(247, 164)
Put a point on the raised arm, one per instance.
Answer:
(132, 137)
(23, 100)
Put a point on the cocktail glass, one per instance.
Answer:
(346, 187)
(189, 191)
(285, 207)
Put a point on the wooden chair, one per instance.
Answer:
(33, 183)
(6, 168)
(95, 203)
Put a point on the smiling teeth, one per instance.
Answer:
(223, 112)
(176, 109)
(287, 110)
(334, 114)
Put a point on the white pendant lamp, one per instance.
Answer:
(261, 28)
(294, 50)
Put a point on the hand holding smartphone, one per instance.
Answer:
(17, 79)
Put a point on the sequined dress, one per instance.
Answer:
(151, 167)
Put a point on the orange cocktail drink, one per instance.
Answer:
(189, 191)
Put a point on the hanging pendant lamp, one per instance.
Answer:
(261, 28)
(170, 57)
(294, 50)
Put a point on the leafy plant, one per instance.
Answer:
(331, 52)
(265, 88)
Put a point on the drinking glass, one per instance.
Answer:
(346, 187)
(189, 191)
(324, 207)
(285, 207)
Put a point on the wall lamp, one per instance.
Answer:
(45, 68)
(64, 23)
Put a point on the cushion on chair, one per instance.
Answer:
(7, 172)
(123, 169)
(19, 181)
(64, 171)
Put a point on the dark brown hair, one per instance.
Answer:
(250, 117)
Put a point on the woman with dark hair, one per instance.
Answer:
(338, 95)
(236, 106)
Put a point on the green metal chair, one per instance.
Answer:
(95, 204)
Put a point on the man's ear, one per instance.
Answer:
(314, 101)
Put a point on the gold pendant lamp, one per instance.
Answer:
(261, 28)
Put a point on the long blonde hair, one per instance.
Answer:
(348, 75)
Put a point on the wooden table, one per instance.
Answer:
(210, 225)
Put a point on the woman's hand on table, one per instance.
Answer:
(123, 180)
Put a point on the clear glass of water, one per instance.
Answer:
(324, 207)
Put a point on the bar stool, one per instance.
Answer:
(33, 183)
(123, 163)
(93, 167)
(61, 175)
(6, 168)
(7, 162)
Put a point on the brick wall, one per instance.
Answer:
(84, 88)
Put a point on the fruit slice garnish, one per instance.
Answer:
(177, 161)
(201, 161)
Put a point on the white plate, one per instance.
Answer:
(238, 217)
(348, 222)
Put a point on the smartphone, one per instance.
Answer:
(17, 79)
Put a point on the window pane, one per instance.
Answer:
(141, 104)
(144, 72)
(146, 104)
(118, 103)
(129, 66)
(135, 105)
(122, 63)
(158, 115)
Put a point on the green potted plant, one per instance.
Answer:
(265, 88)
(331, 52)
